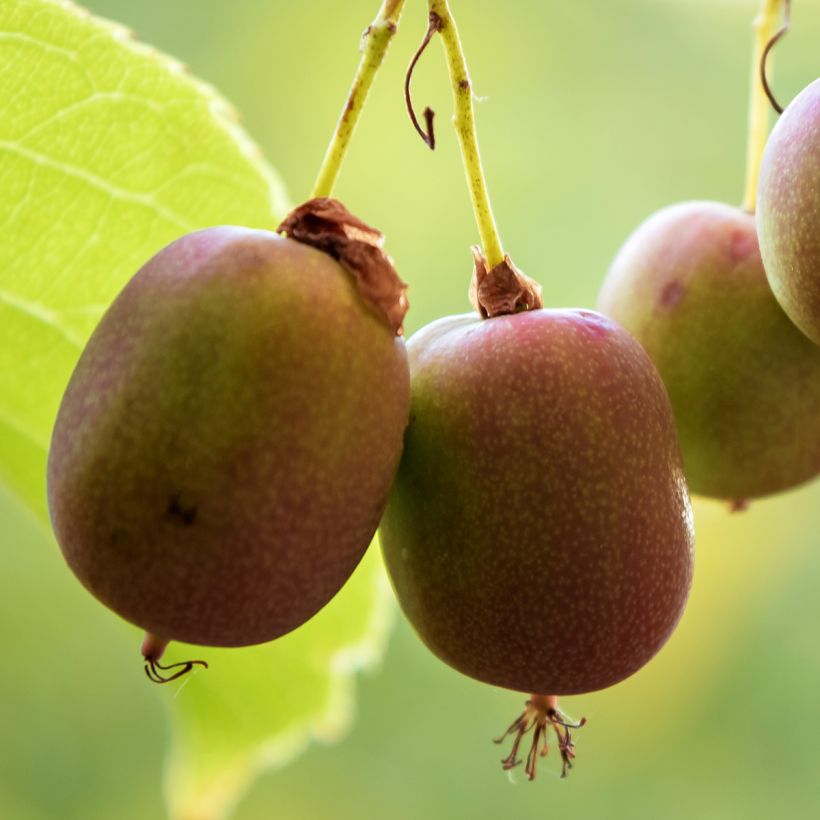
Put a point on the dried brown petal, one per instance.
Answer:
(327, 225)
(502, 290)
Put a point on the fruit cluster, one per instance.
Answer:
(247, 414)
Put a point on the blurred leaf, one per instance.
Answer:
(109, 151)
(234, 721)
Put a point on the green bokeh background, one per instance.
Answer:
(597, 112)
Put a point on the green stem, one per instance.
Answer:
(464, 121)
(377, 38)
(765, 25)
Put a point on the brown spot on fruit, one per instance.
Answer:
(742, 244)
(180, 513)
(671, 294)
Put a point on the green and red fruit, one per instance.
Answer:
(689, 284)
(788, 211)
(227, 442)
(539, 534)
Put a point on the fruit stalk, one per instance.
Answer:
(764, 26)
(376, 39)
(464, 122)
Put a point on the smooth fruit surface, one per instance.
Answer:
(744, 382)
(539, 532)
(226, 444)
(788, 210)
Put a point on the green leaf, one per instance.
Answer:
(259, 707)
(109, 151)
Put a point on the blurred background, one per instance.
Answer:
(594, 114)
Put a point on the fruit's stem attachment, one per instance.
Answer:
(464, 121)
(376, 39)
(765, 24)
(153, 648)
(540, 712)
(778, 35)
(427, 133)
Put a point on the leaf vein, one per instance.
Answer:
(146, 200)
(40, 313)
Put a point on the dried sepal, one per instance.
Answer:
(540, 713)
(503, 289)
(326, 224)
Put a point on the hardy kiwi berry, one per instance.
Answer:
(788, 210)
(226, 444)
(539, 533)
(744, 382)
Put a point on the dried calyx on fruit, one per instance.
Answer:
(326, 224)
(502, 289)
(226, 444)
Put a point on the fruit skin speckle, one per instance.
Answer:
(744, 382)
(788, 210)
(539, 533)
(226, 444)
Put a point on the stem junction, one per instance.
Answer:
(153, 648)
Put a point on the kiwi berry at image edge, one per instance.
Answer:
(744, 382)
(689, 283)
(225, 447)
(788, 210)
